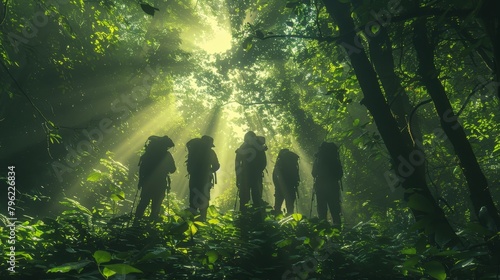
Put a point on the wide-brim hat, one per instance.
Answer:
(167, 142)
(208, 140)
(249, 136)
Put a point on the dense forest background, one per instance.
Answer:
(408, 90)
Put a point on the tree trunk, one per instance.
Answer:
(478, 185)
(382, 58)
(490, 18)
(410, 169)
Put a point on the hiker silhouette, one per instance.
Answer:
(286, 180)
(202, 163)
(154, 166)
(327, 173)
(250, 163)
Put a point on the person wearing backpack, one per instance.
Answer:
(327, 172)
(250, 163)
(202, 163)
(286, 180)
(155, 165)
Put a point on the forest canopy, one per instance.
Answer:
(408, 90)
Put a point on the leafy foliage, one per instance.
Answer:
(81, 243)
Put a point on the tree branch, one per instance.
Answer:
(428, 12)
(27, 97)
(327, 39)
(4, 11)
(254, 103)
(410, 117)
(316, 5)
(474, 91)
(421, 12)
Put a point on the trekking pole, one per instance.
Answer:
(312, 201)
(236, 199)
(168, 203)
(133, 205)
(169, 183)
(297, 200)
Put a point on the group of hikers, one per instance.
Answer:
(157, 163)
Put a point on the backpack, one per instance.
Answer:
(329, 160)
(157, 144)
(155, 150)
(287, 164)
(197, 161)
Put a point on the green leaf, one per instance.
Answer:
(409, 251)
(411, 262)
(213, 221)
(420, 203)
(307, 241)
(191, 229)
(200, 224)
(463, 264)
(212, 211)
(317, 243)
(102, 256)
(212, 256)
(435, 269)
(355, 122)
(118, 196)
(122, 268)
(106, 272)
(374, 29)
(75, 204)
(247, 44)
(284, 242)
(121, 195)
(94, 176)
(69, 266)
(297, 216)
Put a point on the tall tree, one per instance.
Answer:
(478, 186)
(382, 57)
(407, 160)
(488, 14)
